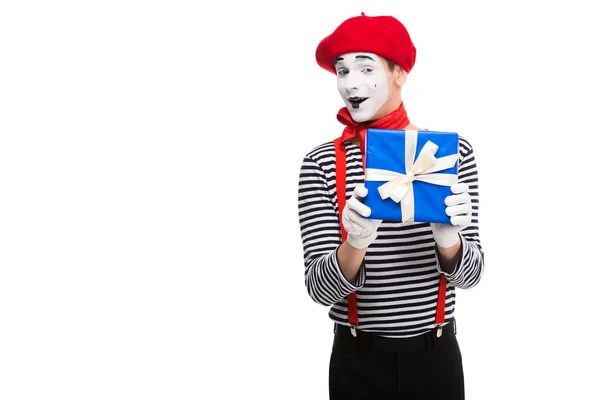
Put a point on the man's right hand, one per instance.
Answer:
(361, 230)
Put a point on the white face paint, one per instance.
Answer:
(362, 83)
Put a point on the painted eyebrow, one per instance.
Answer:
(356, 58)
(370, 58)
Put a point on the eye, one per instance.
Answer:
(342, 72)
(367, 69)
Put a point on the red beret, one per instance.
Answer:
(382, 35)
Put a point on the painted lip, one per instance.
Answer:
(355, 100)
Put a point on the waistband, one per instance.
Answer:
(345, 339)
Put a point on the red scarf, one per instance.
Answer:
(395, 120)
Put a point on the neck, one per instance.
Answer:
(387, 121)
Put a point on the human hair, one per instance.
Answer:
(391, 65)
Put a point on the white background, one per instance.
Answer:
(149, 157)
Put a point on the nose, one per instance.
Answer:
(352, 82)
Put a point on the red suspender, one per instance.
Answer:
(340, 182)
(440, 314)
(340, 185)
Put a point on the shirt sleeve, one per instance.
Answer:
(321, 238)
(470, 266)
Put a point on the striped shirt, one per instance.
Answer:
(397, 284)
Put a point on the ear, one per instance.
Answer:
(400, 76)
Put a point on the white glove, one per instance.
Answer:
(459, 209)
(361, 231)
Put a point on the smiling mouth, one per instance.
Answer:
(355, 101)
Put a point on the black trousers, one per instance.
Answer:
(373, 367)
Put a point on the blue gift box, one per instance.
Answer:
(418, 196)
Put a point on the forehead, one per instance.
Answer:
(357, 57)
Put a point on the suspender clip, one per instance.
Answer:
(439, 330)
(353, 329)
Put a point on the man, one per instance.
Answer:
(390, 286)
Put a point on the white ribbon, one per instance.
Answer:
(399, 186)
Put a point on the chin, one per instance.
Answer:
(360, 115)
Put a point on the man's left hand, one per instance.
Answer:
(459, 209)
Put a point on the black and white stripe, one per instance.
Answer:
(398, 284)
